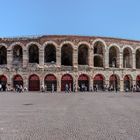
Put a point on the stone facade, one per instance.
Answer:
(99, 63)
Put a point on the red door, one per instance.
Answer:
(34, 83)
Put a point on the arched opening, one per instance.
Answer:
(33, 54)
(83, 82)
(67, 80)
(138, 59)
(114, 82)
(50, 82)
(83, 55)
(3, 82)
(113, 57)
(66, 55)
(17, 80)
(128, 83)
(3, 55)
(34, 83)
(98, 82)
(50, 54)
(98, 54)
(98, 61)
(137, 86)
(127, 58)
(17, 55)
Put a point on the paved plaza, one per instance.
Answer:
(74, 116)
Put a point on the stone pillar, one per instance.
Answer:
(75, 83)
(26, 81)
(107, 82)
(121, 60)
(90, 58)
(134, 61)
(106, 58)
(58, 57)
(41, 57)
(9, 58)
(59, 84)
(90, 83)
(25, 58)
(121, 85)
(75, 57)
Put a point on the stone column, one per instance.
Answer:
(121, 60)
(9, 58)
(25, 58)
(75, 82)
(58, 57)
(59, 84)
(90, 58)
(26, 81)
(106, 58)
(107, 82)
(41, 57)
(121, 85)
(133, 61)
(90, 82)
(75, 57)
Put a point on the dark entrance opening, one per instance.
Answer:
(50, 82)
(83, 55)
(113, 82)
(34, 83)
(67, 79)
(138, 59)
(50, 54)
(3, 55)
(98, 82)
(17, 80)
(66, 55)
(17, 55)
(33, 54)
(127, 83)
(83, 82)
(3, 82)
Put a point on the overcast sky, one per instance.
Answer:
(111, 18)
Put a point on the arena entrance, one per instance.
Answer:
(83, 82)
(67, 79)
(127, 83)
(114, 82)
(3, 82)
(34, 83)
(98, 82)
(17, 80)
(50, 82)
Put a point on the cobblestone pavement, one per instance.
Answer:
(75, 116)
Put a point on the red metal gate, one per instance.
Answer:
(99, 81)
(66, 79)
(17, 80)
(50, 81)
(34, 83)
(83, 82)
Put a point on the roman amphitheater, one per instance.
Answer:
(72, 60)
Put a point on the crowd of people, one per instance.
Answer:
(68, 88)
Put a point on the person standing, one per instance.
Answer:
(52, 88)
